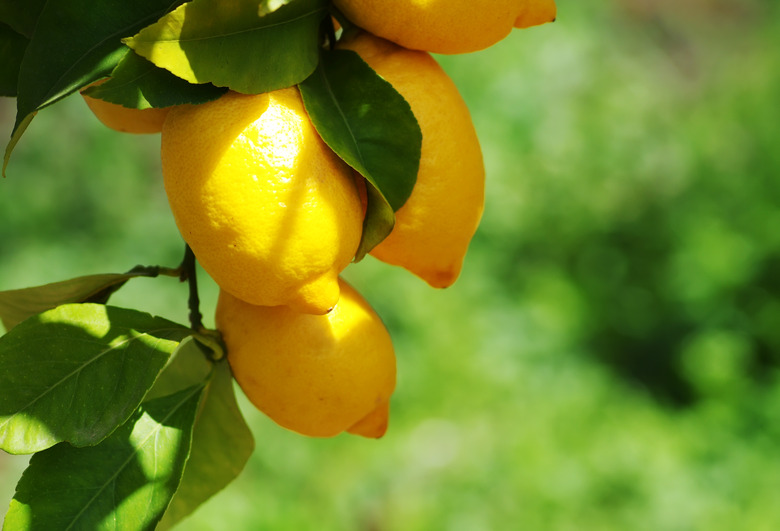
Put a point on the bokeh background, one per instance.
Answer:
(610, 357)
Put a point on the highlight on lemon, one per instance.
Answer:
(271, 213)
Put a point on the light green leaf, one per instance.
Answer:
(19, 304)
(77, 372)
(249, 46)
(125, 482)
(187, 367)
(12, 46)
(221, 446)
(75, 43)
(371, 126)
(139, 84)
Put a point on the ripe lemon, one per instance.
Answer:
(318, 375)
(435, 225)
(271, 213)
(446, 26)
(125, 119)
(536, 12)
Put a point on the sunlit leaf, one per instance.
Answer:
(221, 446)
(19, 304)
(138, 83)
(249, 46)
(187, 367)
(371, 126)
(75, 43)
(125, 482)
(77, 372)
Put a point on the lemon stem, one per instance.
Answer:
(187, 272)
(155, 271)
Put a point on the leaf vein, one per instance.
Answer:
(51, 95)
(343, 115)
(130, 457)
(74, 372)
(243, 31)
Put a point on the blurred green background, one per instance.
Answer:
(610, 357)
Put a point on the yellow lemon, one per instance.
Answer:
(536, 12)
(271, 213)
(435, 225)
(446, 26)
(318, 375)
(125, 119)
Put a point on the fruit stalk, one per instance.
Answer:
(187, 273)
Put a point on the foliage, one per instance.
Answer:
(82, 381)
(632, 194)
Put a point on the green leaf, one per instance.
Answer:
(187, 367)
(75, 43)
(19, 304)
(221, 446)
(12, 46)
(77, 372)
(125, 482)
(371, 126)
(377, 223)
(249, 46)
(139, 84)
(21, 15)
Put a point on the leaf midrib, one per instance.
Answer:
(81, 368)
(238, 32)
(132, 454)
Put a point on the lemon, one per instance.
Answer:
(536, 12)
(435, 225)
(271, 213)
(318, 375)
(125, 119)
(446, 26)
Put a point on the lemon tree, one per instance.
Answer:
(294, 143)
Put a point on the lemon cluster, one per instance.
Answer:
(274, 216)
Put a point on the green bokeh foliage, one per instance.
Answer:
(609, 357)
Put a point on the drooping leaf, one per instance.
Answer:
(368, 124)
(21, 15)
(221, 446)
(187, 367)
(377, 223)
(12, 46)
(125, 482)
(75, 43)
(77, 372)
(139, 84)
(249, 46)
(19, 304)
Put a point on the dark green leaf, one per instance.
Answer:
(370, 125)
(125, 482)
(21, 15)
(377, 223)
(221, 446)
(248, 46)
(138, 83)
(19, 304)
(77, 372)
(12, 46)
(75, 43)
